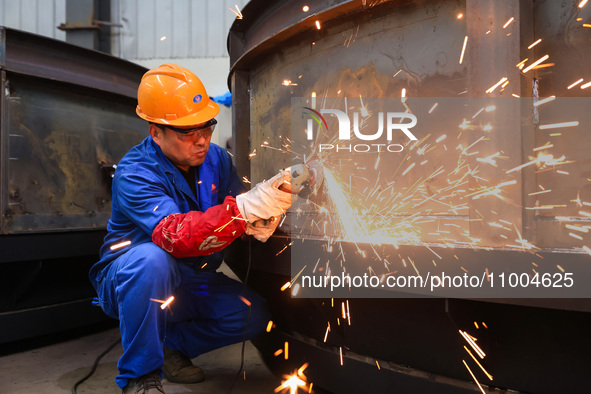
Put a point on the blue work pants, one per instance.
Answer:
(207, 312)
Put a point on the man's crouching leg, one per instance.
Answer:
(211, 311)
(130, 286)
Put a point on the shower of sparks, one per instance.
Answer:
(558, 125)
(582, 3)
(585, 86)
(544, 101)
(473, 344)
(167, 302)
(534, 64)
(294, 382)
(269, 325)
(352, 227)
(237, 12)
(492, 88)
(575, 83)
(305, 8)
(463, 49)
(473, 377)
(285, 286)
(120, 245)
(243, 299)
(547, 146)
(164, 303)
(534, 44)
(433, 107)
(508, 22)
(318, 25)
(478, 362)
(521, 64)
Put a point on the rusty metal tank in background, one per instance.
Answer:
(366, 48)
(67, 115)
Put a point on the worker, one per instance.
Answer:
(177, 202)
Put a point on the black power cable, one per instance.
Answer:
(247, 321)
(95, 365)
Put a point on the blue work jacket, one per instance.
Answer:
(147, 187)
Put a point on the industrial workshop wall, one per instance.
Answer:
(146, 32)
(190, 33)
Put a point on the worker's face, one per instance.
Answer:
(183, 149)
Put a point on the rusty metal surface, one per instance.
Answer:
(359, 56)
(60, 127)
(374, 49)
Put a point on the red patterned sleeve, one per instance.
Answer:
(200, 233)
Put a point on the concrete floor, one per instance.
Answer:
(55, 368)
(54, 364)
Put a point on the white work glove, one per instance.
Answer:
(265, 200)
(262, 229)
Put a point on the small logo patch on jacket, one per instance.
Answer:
(213, 188)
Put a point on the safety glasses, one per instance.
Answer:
(204, 130)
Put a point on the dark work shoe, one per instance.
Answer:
(148, 384)
(179, 369)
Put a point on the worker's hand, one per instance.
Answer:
(266, 200)
(262, 229)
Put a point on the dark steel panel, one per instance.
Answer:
(67, 114)
(241, 122)
(55, 245)
(41, 321)
(59, 137)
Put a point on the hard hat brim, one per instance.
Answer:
(206, 114)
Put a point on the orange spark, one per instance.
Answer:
(473, 377)
(575, 83)
(508, 22)
(245, 301)
(534, 44)
(540, 60)
(167, 302)
(463, 49)
(120, 245)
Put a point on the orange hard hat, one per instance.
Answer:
(173, 95)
